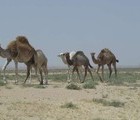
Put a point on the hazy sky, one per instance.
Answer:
(65, 25)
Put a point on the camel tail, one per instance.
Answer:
(117, 60)
(90, 65)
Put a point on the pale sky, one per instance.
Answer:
(68, 25)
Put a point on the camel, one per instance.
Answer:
(21, 51)
(105, 57)
(63, 57)
(79, 59)
(41, 65)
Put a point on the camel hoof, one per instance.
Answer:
(41, 83)
(82, 81)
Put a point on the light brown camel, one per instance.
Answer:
(41, 65)
(79, 59)
(19, 50)
(105, 57)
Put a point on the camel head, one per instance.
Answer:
(4, 53)
(63, 57)
(60, 55)
(63, 54)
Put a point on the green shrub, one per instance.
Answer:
(69, 105)
(108, 103)
(73, 86)
(90, 85)
(2, 83)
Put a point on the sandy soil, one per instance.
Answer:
(28, 103)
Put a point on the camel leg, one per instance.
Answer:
(16, 71)
(68, 74)
(31, 72)
(41, 82)
(46, 74)
(28, 72)
(90, 73)
(115, 69)
(75, 68)
(102, 73)
(36, 69)
(85, 74)
(4, 68)
(110, 70)
(78, 74)
(98, 73)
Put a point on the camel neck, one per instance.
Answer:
(68, 59)
(5, 53)
(95, 60)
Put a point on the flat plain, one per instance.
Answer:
(117, 99)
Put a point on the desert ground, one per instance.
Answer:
(117, 99)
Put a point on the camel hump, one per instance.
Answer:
(22, 40)
(106, 50)
(79, 53)
(24, 49)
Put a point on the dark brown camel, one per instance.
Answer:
(19, 50)
(79, 59)
(105, 57)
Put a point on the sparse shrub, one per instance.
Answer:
(116, 104)
(108, 103)
(73, 86)
(69, 105)
(2, 83)
(90, 85)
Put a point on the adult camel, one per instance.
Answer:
(21, 51)
(79, 59)
(105, 57)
